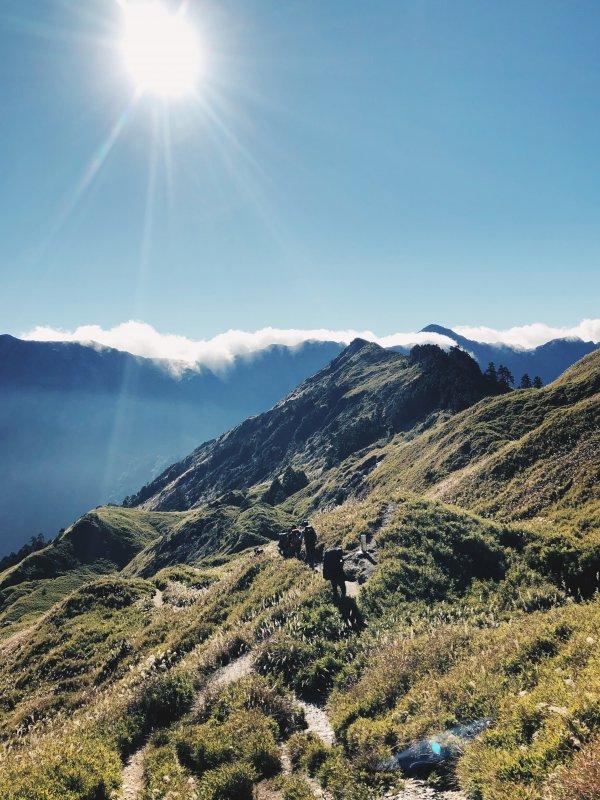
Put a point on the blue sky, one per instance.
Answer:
(374, 165)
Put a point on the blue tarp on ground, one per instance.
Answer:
(428, 753)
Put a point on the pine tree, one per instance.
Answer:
(537, 382)
(491, 373)
(505, 377)
(525, 382)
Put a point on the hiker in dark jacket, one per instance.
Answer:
(283, 543)
(333, 570)
(310, 543)
(296, 542)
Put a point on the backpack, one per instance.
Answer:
(310, 536)
(332, 567)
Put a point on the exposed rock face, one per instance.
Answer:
(362, 396)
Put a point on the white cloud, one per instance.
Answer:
(217, 353)
(528, 336)
(142, 339)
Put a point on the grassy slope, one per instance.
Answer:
(468, 616)
(515, 456)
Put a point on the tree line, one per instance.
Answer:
(503, 377)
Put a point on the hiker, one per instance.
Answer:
(333, 570)
(284, 544)
(310, 543)
(296, 542)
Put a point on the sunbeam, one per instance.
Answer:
(124, 404)
(90, 172)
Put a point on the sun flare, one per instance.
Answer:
(160, 50)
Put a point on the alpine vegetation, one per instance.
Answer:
(384, 586)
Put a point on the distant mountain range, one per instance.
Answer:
(82, 425)
(549, 360)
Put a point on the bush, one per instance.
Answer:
(204, 747)
(340, 778)
(307, 752)
(369, 742)
(296, 788)
(579, 780)
(111, 593)
(228, 782)
(246, 736)
(75, 769)
(182, 573)
(254, 692)
(161, 767)
(166, 699)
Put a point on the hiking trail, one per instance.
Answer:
(420, 790)
(133, 776)
(317, 722)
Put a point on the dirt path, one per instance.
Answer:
(158, 600)
(388, 514)
(133, 776)
(318, 722)
(231, 672)
(10, 644)
(419, 790)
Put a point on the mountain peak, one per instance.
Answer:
(358, 344)
(434, 328)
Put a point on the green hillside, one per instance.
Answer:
(166, 650)
(524, 454)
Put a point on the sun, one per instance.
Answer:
(160, 50)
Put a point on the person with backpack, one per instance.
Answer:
(296, 542)
(333, 570)
(284, 544)
(310, 543)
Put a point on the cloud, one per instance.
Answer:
(142, 339)
(529, 336)
(217, 353)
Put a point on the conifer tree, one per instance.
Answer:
(491, 373)
(525, 382)
(537, 382)
(505, 377)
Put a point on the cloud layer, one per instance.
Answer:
(142, 339)
(528, 336)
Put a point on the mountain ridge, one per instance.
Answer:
(326, 403)
(115, 637)
(548, 360)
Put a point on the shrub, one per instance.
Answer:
(161, 768)
(341, 779)
(246, 736)
(254, 692)
(228, 782)
(204, 747)
(306, 751)
(296, 788)
(111, 593)
(579, 780)
(166, 699)
(75, 769)
(369, 742)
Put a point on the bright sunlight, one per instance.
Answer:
(160, 50)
